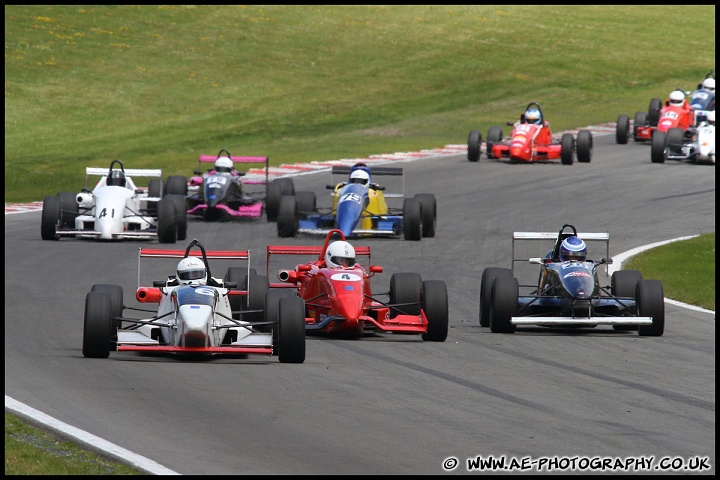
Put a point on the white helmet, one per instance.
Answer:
(677, 98)
(223, 164)
(711, 117)
(359, 176)
(340, 254)
(191, 271)
(709, 85)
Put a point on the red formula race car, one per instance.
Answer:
(339, 300)
(676, 113)
(531, 141)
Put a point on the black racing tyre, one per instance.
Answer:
(623, 283)
(640, 120)
(567, 148)
(256, 286)
(50, 218)
(68, 209)
(272, 311)
(405, 292)
(675, 140)
(651, 303)
(272, 200)
(305, 202)
(412, 219)
(167, 221)
(435, 305)
(584, 146)
(291, 338)
(428, 212)
(97, 325)
(488, 276)
(287, 221)
(155, 188)
(237, 275)
(653, 114)
(657, 147)
(180, 214)
(622, 129)
(473, 148)
(504, 304)
(494, 137)
(116, 305)
(176, 185)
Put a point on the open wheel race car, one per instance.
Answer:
(116, 209)
(659, 118)
(531, 142)
(360, 208)
(340, 300)
(568, 293)
(222, 193)
(209, 317)
(697, 144)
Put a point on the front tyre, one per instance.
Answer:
(622, 130)
(412, 219)
(567, 148)
(97, 325)
(473, 149)
(291, 338)
(505, 292)
(584, 146)
(167, 221)
(428, 208)
(488, 277)
(50, 218)
(651, 303)
(657, 147)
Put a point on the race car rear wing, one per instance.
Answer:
(210, 254)
(314, 250)
(244, 159)
(377, 171)
(552, 236)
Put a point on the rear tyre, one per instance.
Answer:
(653, 115)
(116, 306)
(180, 215)
(488, 277)
(567, 148)
(176, 185)
(305, 202)
(97, 325)
(474, 140)
(405, 292)
(504, 304)
(623, 283)
(287, 222)
(622, 129)
(435, 305)
(291, 339)
(237, 275)
(584, 146)
(256, 286)
(68, 209)
(651, 303)
(428, 209)
(640, 120)
(494, 137)
(412, 219)
(50, 218)
(155, 188)
(657, 147)
(166, 221)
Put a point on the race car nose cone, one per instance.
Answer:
(516, 153)
(106, 227)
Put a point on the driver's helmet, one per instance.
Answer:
(709, 85)
(223, 165)
(340, 254)
(116, 178)
(711, 117)
(191, 271)
(359, 176)
(677, 98)
(573, 248)
(532, 115)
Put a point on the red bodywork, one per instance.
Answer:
(528, 143)
(339, 300)
(670, 117)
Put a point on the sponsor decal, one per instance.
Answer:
(346, 277)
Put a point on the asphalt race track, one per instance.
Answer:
(395, 404)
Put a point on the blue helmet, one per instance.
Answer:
(532, 115)
(573, 248)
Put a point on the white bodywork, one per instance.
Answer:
(115, 211)
(704, 143)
